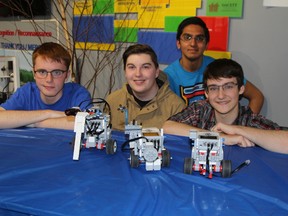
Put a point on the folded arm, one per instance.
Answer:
(66, 123)
(255, 97)
(176, 128)
(272, 140)
(37, 118)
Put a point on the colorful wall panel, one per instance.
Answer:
(101, 24)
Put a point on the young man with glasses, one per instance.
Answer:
(186, 74)
(42, 103)
(221, 112)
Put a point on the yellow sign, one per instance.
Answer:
(83, 7)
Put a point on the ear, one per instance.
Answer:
(68, 76)
(157, 72)
(241, 90)
(206, 95)
(178, 44)
(33, 73)
(206, 48)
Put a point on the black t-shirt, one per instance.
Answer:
(140, 102)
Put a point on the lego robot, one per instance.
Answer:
(146, 146)
(207, 155)
(93, 130)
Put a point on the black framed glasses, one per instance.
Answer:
(227, 87)
(41, 73)
(198, 38)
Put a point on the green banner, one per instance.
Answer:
(229, 8)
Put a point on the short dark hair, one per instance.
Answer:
(53, 51)
(140, 49)
(224, 68)
(193, 21)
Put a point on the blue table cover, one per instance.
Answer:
(39, 177)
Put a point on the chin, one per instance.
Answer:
(138, 89)
(221, 110)
(50, 94)
(224, 112)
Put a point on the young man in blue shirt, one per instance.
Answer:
(42, 103)
(186, 74)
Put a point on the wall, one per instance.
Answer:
(259, 43)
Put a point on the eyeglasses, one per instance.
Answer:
(44, 73)
(198, 38)
(227, 87)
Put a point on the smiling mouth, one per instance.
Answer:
(139, 81)
(222, 102)
(192, 50)
(48, 87)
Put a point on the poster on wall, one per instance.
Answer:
(275, 3)
(120, 21)
(229, 8)
(19, 38)
(25, 35)
(103, 25)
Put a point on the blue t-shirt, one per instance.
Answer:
(188, 85)
(28, 98)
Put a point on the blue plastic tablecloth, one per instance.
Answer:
(39, 177)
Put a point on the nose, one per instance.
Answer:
(49, 77)
(221, 92)
(193, 41)
(138, 72)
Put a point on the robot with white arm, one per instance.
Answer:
(93, 130)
